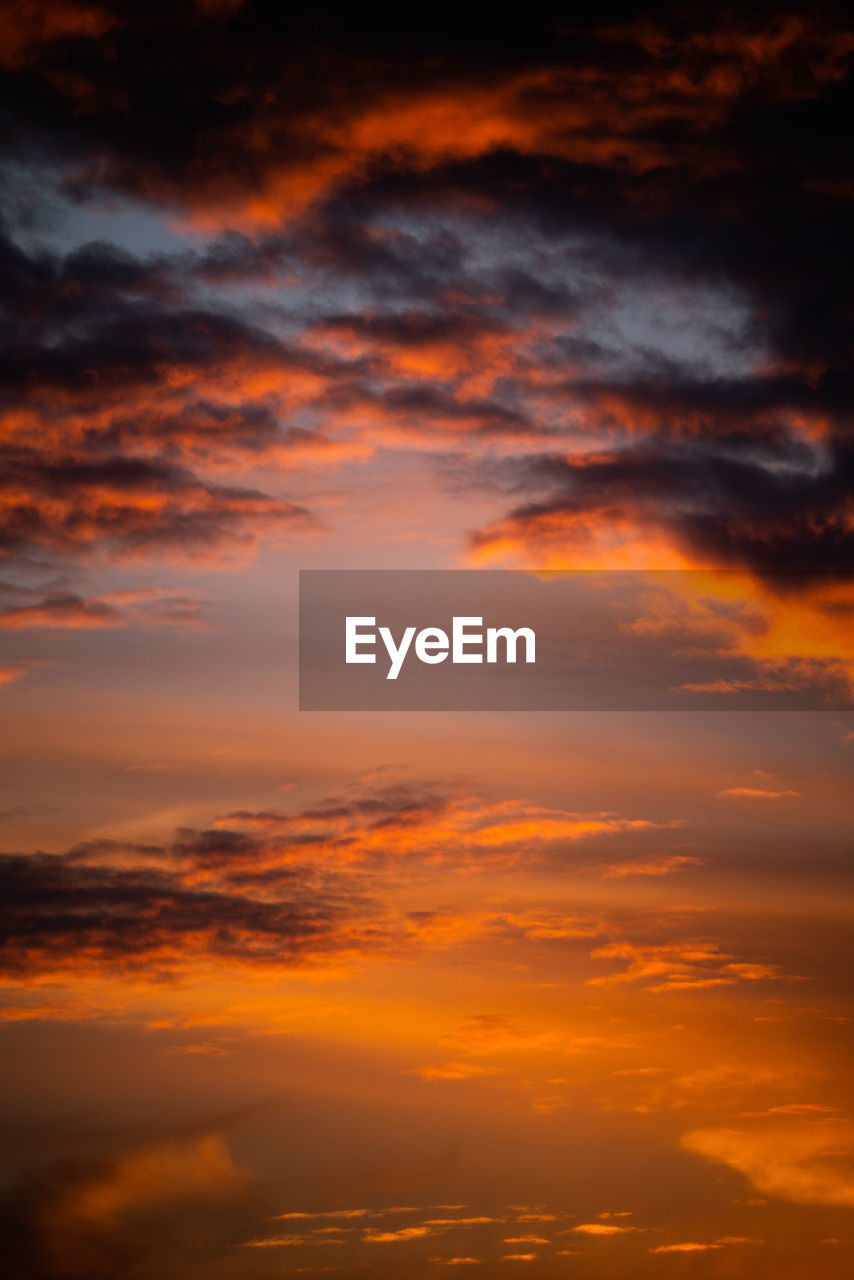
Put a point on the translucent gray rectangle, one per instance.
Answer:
(603, 640)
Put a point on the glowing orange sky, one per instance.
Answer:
(379, 994)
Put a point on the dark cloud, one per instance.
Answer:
(462, 228)
(106, 377)
(264, 888)
(127, 1213)
(127, 505)
(261, 888)
(274, 888)
(778, 507)
(24, 609)
(297, 87)
(61, 910)
(60, 609)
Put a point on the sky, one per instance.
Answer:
(558, 994)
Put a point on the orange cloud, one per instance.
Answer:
(691, 1247)
(393, 1237)
(327, 1213)
(440, 826)
(805, 1163)
(754, 793)
(30, 24)
(487, 1034)
(659, 865)
(269, 888)
(287, 1242)
(461, 1222)
(161, 1172)
(679, 966)
(604, 1229)
(583, 115)
(459, 1262)
(454, 1071)
(793, 1109)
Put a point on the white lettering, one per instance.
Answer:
(463, 637)
(431, 645)
(510, 638)
(397, 654)
(354, 638)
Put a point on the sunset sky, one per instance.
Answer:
(551, 994)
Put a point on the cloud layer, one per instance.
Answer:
(613, 301)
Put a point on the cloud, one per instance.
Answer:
(307, 887)
(441, 822)
(586, 278)
(25, 609)
(666, 504)
(493, 1033)
(326, 1213)
(461, 1222)
(604, 1229)
(394, 1237)
(807, 1163)
(34, 25)
(793, 1109)
(658, 865)
(454, 1071)
(111, 909)
(754, 793)
(459, 1262)
(61, 610)
(88, 1220)
(162, 1172)
(354, 114)
(680, 966)
(693, 1247)
(298, 887)
(127, 405)
(370, 1235)
(687, 1247)
(286, 1242)
(127, 507)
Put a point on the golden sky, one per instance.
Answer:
(379, 994)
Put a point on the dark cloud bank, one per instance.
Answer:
(431, 188)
